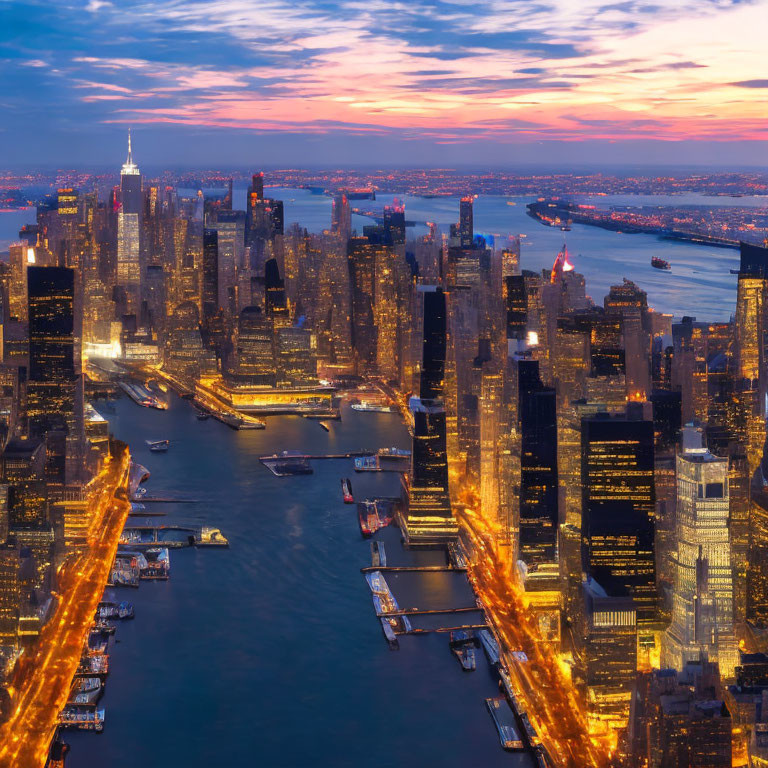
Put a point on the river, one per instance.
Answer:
(699, 284)
(269, 653)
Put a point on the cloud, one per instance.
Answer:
(751, 83)
(504, 70)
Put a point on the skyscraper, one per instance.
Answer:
(129, 231)
(466, 221)
(618, 509)
(52, 372)
(210, 272)
(429, 519)
(538, 465)
(702, 598)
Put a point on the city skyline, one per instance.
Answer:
(433, 83)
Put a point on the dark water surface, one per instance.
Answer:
(269, 653)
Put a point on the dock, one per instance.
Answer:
(426, 631)
(504, 720)
(152, 536)
(429, 611)
(413, 568)
(317, 456)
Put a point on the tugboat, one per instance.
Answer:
(346, 490)
(659, 263)
(158, 446)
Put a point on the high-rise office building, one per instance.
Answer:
(210, 272)
(537, 416)
(466, 221)
(129, 230)
(618, 509)
(702, 597)
(429, 519)
(52, 369)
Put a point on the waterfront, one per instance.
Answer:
(269, 652)
(700, 283)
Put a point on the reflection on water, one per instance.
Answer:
(270, 653)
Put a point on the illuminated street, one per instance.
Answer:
(45, 679)
(543, 689)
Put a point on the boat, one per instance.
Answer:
(346, 490)
(287, 463)
(83, 717)
(121, 610)
(324, 426)
(158, 564)
(385, 603)
(660, 263)
(373, 408)
(85, 690)
(158, 446)
(504, 720)
(378, 555)
(490, 646)
(202, 415)
(463, 647)
(372, 516)
(105, 627)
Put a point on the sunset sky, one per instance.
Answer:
(366, 81)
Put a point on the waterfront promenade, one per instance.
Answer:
(43, 680)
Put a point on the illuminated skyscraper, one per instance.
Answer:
(341, 215)
(429, 519)
(129, 230)
(618, 509)
(52, 372)
(702, 600)
(466, 221)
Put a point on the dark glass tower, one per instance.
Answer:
(618, 509)
(430, 518)
(274, 289)
(210, 272)
(538, 465)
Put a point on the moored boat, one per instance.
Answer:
(346, 490)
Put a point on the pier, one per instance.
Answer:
(444, 629)
(309, 456)
(414, 568)
(428, 611)
(150, 536)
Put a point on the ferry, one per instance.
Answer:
(366, 407)
(346, 490)
(385, 602)
(142, 396)
(158, 564)
(158, 446)
(82, 717)
(659, 263)
(463, 647)
(504, 721)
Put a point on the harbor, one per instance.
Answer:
(294, 544)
